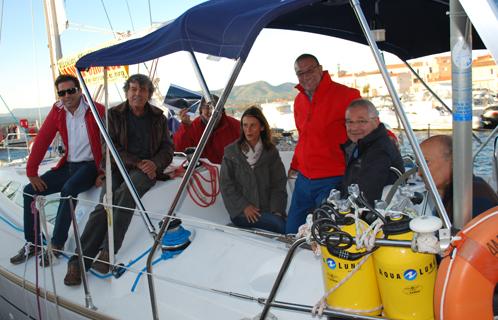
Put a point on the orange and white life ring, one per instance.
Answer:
(468, 273)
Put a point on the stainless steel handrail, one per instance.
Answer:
(188, 174)
(88, 297)
(117, 158)
(399, 110)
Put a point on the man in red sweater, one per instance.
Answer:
(226, 131)
(76, 172)
(318, 162)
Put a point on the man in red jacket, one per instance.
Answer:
(226, 131)
(77, 171)
(318, 162)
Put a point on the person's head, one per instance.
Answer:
(206, 109)
(438, 153)
(138, 89)
(253, 126)
(308, 71)
(68, 90)
(361, 119)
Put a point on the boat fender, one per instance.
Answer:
(469, 269)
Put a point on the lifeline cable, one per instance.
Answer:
(34, 211)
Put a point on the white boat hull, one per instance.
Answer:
(188, 286)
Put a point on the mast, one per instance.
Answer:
(54, 42)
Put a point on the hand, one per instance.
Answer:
(38, 184)
(292, 174)
(252, 213)
(184, 117)
(148, 167)
(100, 180)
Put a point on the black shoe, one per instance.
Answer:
(45, 258)
(26, 252)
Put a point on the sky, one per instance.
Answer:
(24, 58)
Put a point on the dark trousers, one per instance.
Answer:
(95, 233)
(70, 180)
(267, 221)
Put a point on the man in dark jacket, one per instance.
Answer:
(140, 134)
(369, 151)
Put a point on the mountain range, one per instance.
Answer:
(240, 97)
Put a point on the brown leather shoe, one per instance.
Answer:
(26, 252)
(73, 275)
(102, 266)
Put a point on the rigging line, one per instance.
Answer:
(200, 223)
(108, 19)
(35, 63)
(129, 13)
(150, 14)
(1, 21)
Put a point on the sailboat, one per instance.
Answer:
(222, 272)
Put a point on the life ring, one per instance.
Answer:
(468, 273)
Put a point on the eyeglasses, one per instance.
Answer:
(358, 122)
(62, 93)
(300, 74)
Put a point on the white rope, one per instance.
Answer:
(445, 285)
(304, 231)
(426, 243)
(322, 303)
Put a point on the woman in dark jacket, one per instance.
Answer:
(253, 179)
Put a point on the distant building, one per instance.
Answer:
(435, 71)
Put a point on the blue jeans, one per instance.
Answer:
(308, 194)
(267, 221)
(70, 179)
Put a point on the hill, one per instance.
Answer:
(240, 97)
(259, 92)
(24, 113)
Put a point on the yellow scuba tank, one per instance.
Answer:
(405, 278)
(359, 294)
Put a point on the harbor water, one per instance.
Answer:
(482, 166)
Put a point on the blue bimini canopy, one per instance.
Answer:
(228, 28)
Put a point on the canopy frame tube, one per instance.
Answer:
(117, 158)
(190, 169)
(461, 84)
(401, 114)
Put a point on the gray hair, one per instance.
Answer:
(372, 110)
(142, 80)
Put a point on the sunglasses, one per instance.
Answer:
(62, 93)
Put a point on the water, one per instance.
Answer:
(482, 167)
(14, 154)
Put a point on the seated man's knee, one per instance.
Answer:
(68, 190)
(28, 190)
